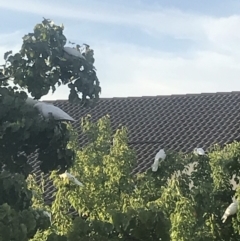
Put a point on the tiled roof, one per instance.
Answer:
(176, 122)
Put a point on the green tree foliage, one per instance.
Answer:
(170, 204)
(38, 67)
(42, 63)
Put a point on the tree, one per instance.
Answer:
(110, 206)
(37, 68)
(42, 63)
(170, 204)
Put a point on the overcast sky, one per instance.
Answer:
(142, 47)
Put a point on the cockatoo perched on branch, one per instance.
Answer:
(231, 210)
(73, 52)
(199, 151)
(160, 155)
(71, 178)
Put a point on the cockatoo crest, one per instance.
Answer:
(160, 155)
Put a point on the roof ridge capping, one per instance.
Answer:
(157, 96)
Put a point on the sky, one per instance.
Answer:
(141, 47)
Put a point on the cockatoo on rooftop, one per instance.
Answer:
(74, 52)
(160, 155)
(47, 109)
(199, 151)
(71, 178)
(231, 210)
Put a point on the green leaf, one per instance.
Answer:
(7, 54)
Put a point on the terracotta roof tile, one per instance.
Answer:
(177, 122)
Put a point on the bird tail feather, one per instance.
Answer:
(154, 168)
(224, 218)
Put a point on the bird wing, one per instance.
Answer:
(232, 209)
(198, 151)
(201, 151)
(68, 176)
(78, 182)
(72, 178)
(155, 165)
(160, 155)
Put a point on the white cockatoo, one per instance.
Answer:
(73, 52)
(47, 109)
(199, 151)
(71, 178)
(160, 155)
(231, 210)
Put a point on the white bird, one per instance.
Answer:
(231, 210)
(71, 178)
(74, 52)
(160, 155)
(46, 110)
(199, 151)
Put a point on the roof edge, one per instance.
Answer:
(156, 96)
